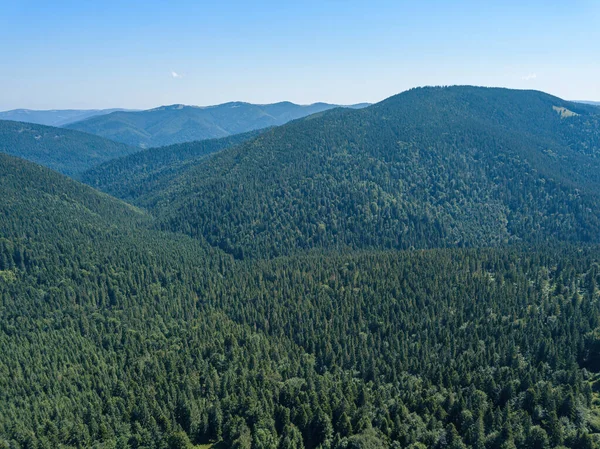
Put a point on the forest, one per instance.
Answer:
(68, 152)
(421, 273)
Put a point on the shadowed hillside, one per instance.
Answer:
(432, 167)
(168, 125)
(69, 152)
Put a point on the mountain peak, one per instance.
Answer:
(425, 168)
(170, 107)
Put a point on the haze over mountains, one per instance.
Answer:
(58, 117)
(173, 124)
(420, 273)
(72, 153)
(69, 152)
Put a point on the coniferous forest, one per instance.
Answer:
(421, 273)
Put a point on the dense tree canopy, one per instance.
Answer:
(116, 332)
(128, 177)
(63, 150)
(429, 168)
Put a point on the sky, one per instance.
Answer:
(142, 54)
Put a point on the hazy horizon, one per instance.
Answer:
(126, 109)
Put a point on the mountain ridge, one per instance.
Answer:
(67, 151)
(123, 177)
(53, 117)
(178, 123)
(430, 167)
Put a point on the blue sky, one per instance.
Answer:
(141, 54)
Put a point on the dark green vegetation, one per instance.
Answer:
(69, 152)
(58, 117)
(168, 125)
(128, 177)
(117, 332)
(428, 168)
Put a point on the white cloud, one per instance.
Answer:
(176, 75)
(529, 77)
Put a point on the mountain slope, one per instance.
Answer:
(459, 166)
(30, 190)
(69, 152)
(114, 335)
(82, 285)
(168, 125)
(128, 177)
(59, 117)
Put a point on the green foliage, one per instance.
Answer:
(591, 354)
(63, 150)
(429, 168)
(367, 440)
(129, 176)
(117, 335)
(179, 440)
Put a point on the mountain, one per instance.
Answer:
(55, 117)
(127, 177)
(117, 335)
(173, 124)
(431, 167)
(29, 189)
(119, 330)
(69, 152)
(594, 103)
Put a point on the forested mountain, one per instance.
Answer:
(128, 177)
(30, 190)
(173, 124)
(432, 167)
(69, 152)
(56, 117)
(114, 335)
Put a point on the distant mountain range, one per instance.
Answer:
(74, 148)
(64, 150)
(55, 117)
(167, 125)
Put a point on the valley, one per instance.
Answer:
(420, 273)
